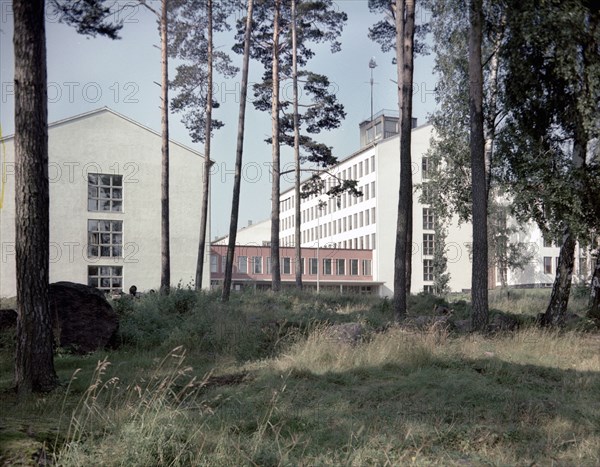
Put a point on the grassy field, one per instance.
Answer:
(261, 381)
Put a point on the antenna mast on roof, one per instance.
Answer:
(372, 65)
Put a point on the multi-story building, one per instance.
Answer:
(368, 222)
(105, 214)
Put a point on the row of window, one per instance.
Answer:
(329, 266)
(363, 242)
(332, 205)
(358, 170)
(338, 226)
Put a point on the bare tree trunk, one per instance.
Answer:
(235, 202)
(561, 289)
(594, 309)
(404, 58)
(207, 163)
(479, 278)
(34, 364)
(165, 253)
(409, 245)
(275, 192)
(297, 216)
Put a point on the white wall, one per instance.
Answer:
(105, 142)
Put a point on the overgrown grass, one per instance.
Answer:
(261, 381)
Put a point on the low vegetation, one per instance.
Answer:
(261, 381)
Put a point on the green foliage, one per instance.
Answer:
(90, 17)
(188, 30)
(317, 22)
(551, 51)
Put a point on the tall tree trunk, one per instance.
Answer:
(165, 252)
(409, 243)
(297, 214)
(594, 307)
(479, 278)
(561, 289)
(237, 181)
(404, 57)
(208, 136)
(275, 191)
(34, 364)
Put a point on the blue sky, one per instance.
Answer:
(89, 73)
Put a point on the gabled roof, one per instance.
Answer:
(74, 118)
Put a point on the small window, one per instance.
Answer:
(105, 192)
(327, 266)
(105, 238)
(547, 265)
(106, 278)
(366, 267)
(428, 289)
(428, 219)
(428, 270)
(425, 168)
(428, 244)
(243, 264)
(257, 265)
(354, 267)
(313, 265)
(341, 267)
(286, 265)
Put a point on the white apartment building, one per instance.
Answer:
(369, 222)
(105, 215)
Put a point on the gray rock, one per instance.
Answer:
(502, 323)
(350, 333)
(463, 325)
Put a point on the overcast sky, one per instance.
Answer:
(88, 73)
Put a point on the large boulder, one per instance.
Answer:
(84, 321)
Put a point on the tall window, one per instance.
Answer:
(366, 267)
(428, 219)
(214, 263)
(286, 265)
(547, 265)
(427, 269)
(105, 192)
(313, 265)
(243, 264)
(327, 266)
(257, 265)
(105, 238)
(426, 190)
(268, 265)
(428, 244)
(353, 267)
(341, 267)
(425, 168)
(106, 278)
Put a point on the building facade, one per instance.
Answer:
(369, 222)
(105, 211)
(323, 269)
